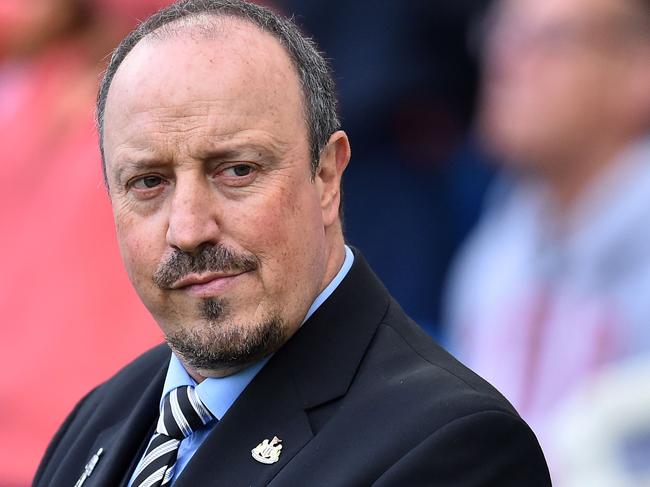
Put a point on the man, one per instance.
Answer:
(291, 364)
(552, 287)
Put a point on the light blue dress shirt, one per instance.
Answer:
(219, 393)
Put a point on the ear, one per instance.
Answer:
(333, 161)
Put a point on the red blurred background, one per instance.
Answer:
(70, 317)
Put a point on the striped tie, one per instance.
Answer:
(182, 414)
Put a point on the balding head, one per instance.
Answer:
(319, 98)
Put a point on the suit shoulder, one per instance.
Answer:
(152, 358)
(144, 366)
(416, 405)
(425, 366)
(133, 376)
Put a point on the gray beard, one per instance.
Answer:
(222, 345)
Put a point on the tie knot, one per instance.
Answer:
(182, 413)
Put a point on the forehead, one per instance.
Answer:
(234, 72)
(565, 10)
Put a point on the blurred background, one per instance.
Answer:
(499, 185)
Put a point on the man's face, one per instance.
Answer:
(220, 223)
(553, 71)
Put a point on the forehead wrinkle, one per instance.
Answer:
(167, 113)
(259, 140)
(240, 144)
(202, 143)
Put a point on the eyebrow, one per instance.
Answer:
(238, 146)
(243, 152)
(137, 165)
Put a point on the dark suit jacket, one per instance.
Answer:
(359, 396)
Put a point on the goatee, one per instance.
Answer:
(219, 344)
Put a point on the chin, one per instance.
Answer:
(215, 348)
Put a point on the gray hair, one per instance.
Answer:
(319, 97)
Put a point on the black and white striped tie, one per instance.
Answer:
(182, 414)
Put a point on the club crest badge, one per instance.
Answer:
(268, 452)
(90, 466)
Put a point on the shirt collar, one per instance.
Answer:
(334, 283)
(219, 393)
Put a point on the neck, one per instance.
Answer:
(334, 263)
(569, 176)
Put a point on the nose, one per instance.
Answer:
(193, 215)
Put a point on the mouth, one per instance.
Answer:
(206, 285)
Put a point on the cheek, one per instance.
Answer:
(285, 231)
(303, 247)
(265, 229)
(140, 247)
(295, 218)
(572, 85)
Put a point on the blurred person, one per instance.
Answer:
(601, 433)
(26, 25)
(553, 283)
(60, 275)
(290, 363)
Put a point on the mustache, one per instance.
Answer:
(208, 258)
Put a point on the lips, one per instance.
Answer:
(206, 285)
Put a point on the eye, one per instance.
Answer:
(240, 170)
(147, 182)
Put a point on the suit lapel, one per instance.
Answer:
(316, 366)
(122, 442)
(269, 407)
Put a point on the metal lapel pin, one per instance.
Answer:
(268, 451)
(90, 466)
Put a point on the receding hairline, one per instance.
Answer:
(205, 26)
(210, 26)
(318, 88)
